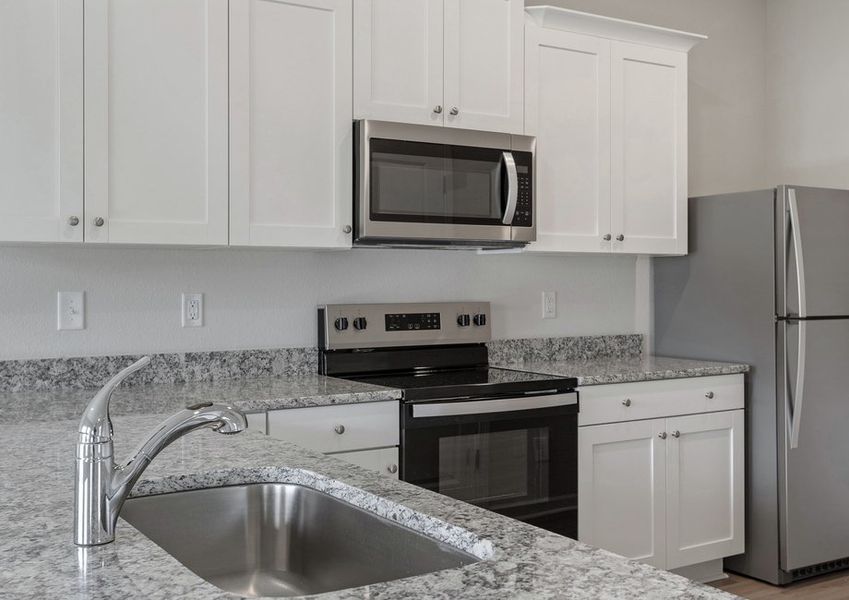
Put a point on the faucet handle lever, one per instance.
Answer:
(95, 425)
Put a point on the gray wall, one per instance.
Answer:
(808, 92)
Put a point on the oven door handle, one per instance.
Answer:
(512, 187)
(450, 409)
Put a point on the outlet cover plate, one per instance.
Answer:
(549, 305)
(192, 310)
(70, 311)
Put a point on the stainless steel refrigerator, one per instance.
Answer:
(766, 282)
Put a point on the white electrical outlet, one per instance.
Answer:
(70, 311)
(549, 305)
(192, 310)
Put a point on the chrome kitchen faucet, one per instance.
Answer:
(101, 486)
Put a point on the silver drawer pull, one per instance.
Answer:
(626, 402)
(662, 435)
(340, 429)
(392, 469)
(676, 434)
(709, 395)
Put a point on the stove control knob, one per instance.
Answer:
(341, 324)
(480, 320)
(360, 323)
(463, 320)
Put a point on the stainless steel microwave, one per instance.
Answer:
(420, 185)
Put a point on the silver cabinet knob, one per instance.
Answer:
(676, 434)
(340, 429)
(662, 435)
(392, 469)
(709, 395)
(455, 111)
(438, 109)
(98, 222)
(347, 229)
(73, 221)
(626, 402)
(620, 238)
(607, 237)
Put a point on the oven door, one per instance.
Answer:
(515, 456)
(424, 185)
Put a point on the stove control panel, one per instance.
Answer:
(386, 325)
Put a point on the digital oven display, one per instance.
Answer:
(412, 322)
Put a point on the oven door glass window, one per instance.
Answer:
(517, 464)
(435, 183)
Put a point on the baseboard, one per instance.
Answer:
(703, 572)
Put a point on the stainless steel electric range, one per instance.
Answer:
(501, 439)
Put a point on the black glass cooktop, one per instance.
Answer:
(482, 382)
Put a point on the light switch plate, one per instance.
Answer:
(70, 311)
(549, 305)
(192, 310)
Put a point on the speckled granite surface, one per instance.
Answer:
(39, 560)
(250, 395)
(601, 370)
(564, 348)
(87, 372)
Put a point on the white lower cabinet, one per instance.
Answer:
(382, 460)
(364, 434)
(665, 491)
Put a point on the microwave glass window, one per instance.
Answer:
(421, 182)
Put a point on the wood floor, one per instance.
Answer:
(827, 587)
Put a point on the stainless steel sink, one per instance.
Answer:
(276, 539)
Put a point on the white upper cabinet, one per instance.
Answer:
(156, 121)
(291, 133)
(398, 60)
(567, 108)
(607, 100)
(41, 121)
(649, 149)
(457, 63)
(484, 49)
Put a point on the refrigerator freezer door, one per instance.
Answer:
(812, 223)
(814, 476)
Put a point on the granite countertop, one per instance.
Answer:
(254, 394)
(40, 561)
(627, 369)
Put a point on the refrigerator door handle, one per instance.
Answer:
(794, 410)
(797, 250)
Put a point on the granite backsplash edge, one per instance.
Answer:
(49, 374)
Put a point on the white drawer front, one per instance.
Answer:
(652, 399)
(382, 460)
(338, 428)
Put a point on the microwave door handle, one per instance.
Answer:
(512, 187)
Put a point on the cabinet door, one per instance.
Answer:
(291, 133)
(381, 460)
(41, 120)
(484, 48)
(156, 121)
(704, 485)
(621, 482)
(649, 149)
(567, 108)
(398, 60)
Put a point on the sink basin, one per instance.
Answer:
(281, 539)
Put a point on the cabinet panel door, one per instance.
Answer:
(567, 108)
(41, 120)
(649, 149)
(156, 121)
(621, 482)
(290, 123)
(484, 49)
(398, 60)
(381, 460)
(704, 487)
